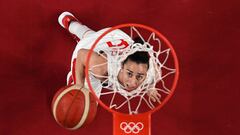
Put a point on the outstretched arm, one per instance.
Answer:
(96, 59)
(154, 95)
(80, 67)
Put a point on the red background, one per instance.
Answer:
(35, 57)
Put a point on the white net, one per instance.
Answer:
(159, 70)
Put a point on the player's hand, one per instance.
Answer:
(154, 95)
(79, 82)
(79, 85)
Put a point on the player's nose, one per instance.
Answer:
(132, 83)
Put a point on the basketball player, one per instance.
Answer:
(134, 68)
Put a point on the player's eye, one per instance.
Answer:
(129, 74)
(139, 77)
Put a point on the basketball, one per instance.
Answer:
(73, 107)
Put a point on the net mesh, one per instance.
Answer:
(160, 68)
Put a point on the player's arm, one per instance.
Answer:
(80, 67)
(153, 94)
(81, 63)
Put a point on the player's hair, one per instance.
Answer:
(138, 40)
(140, 57)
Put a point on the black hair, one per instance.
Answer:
(140, 57)
(138, 40)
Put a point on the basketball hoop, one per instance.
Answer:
(132, 109)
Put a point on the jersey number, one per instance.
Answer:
(122, 45)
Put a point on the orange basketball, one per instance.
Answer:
(73, 107)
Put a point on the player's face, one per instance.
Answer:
(132, 75)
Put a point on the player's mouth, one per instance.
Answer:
(128, 88)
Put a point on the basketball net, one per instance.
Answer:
(128, 115)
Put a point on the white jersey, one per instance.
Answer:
(107, 44)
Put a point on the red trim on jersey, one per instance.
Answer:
(123, 43)
(73, 71)
(70, 80)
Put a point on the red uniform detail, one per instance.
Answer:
(123, 43)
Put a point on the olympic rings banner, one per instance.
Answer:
(131, 127)
(131, 124)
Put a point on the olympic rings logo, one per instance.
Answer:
(131, 127)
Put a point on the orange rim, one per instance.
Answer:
(162, 38)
